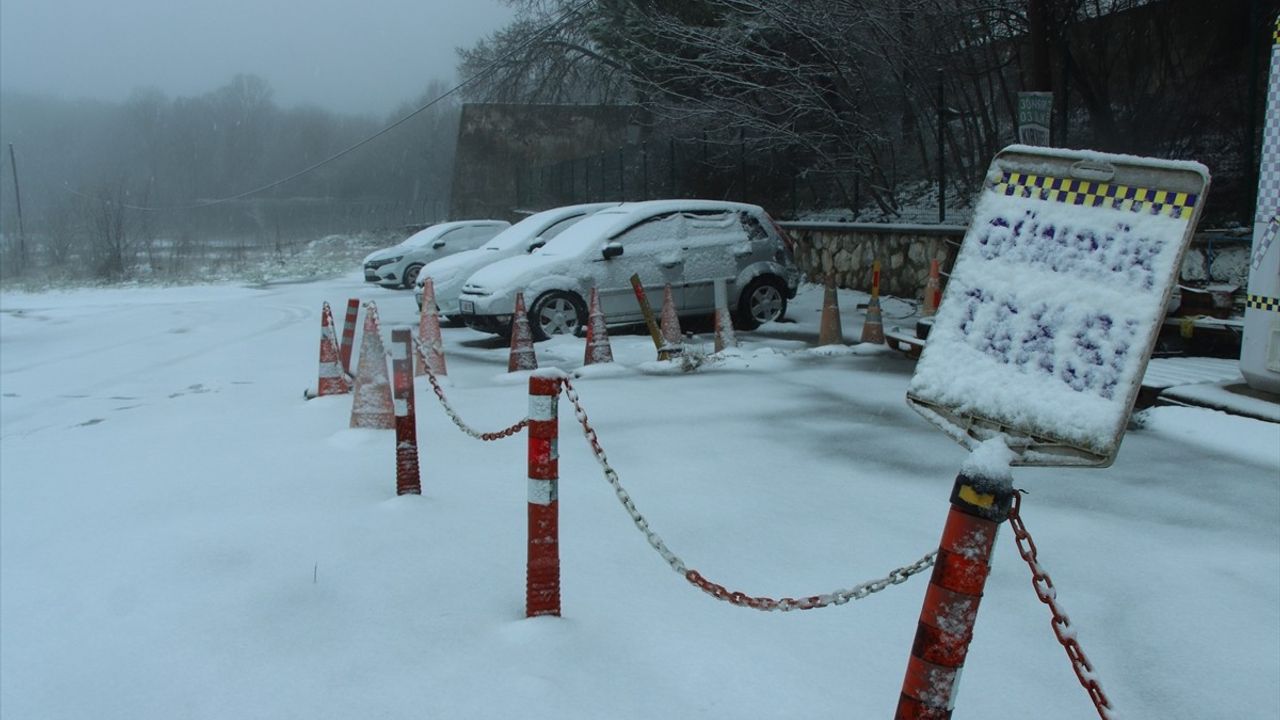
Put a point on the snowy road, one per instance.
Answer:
(182, 536)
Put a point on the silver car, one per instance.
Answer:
(448, 274)
(398, 265)
(687, 244)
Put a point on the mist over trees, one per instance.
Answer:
(864, 93)
(863, 106)
(103, 184)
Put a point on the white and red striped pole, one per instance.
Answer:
(979, 505)
(349, 333)
(408, 479)
(542, 573)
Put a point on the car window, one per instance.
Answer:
(450, 235)
(654, 230)
(559, 227)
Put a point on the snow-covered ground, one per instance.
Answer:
(183, 536)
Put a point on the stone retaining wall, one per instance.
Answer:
(848, 249)
(904, 252)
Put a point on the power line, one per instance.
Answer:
(483, 72)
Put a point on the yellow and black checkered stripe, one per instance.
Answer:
(1262, 302)
(1275, 34)
(1095, 194)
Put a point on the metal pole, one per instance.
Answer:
(644, 168)
(671, 151)
(17, 196)
(979, 505)
(942, 156)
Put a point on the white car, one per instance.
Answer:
(398, 265)
(448, 274)
(684, 243)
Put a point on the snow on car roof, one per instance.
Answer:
(439, 229)
(609, 223)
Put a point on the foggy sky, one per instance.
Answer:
(356, 56)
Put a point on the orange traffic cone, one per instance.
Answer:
(522, 356)
(830, 331)
(725, 337)
(372, 406)
(932, 291)
(873, 325)
(429, 335)
(598, 348)
(333, 379)
(672, 338)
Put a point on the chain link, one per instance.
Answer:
(1045, 590)
(453, 415)
(720, 592)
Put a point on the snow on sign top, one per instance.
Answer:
(1055, 301)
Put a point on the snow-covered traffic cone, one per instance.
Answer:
(333, 380)
(672, 338)
(429, 335)
(830, 331)
(725, 337)
(932, 291)
(873, 325)
(372, 407)
(522, 356)
(598, 348)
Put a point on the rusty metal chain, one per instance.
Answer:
(1061, 623)
(453, 415)
(720, 592)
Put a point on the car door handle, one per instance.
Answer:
(671, 263)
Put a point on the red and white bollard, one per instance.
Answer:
(978, 507)
(542, 573)
(408, 479)
(349, 333)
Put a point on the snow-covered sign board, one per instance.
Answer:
(1055, 301)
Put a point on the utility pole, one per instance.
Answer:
(17, 195)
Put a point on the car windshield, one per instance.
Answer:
(581, 236)
(517, 234)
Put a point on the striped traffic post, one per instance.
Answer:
(408, 479)
(349, 332)
(978, 507)
(542, 572)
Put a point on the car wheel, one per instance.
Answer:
(763, 300)
(556, 313)
(411, 275)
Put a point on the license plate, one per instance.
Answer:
(467, 306)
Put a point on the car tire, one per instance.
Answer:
(556, 313)
(411, 275)
(763, 300)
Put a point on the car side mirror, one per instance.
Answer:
(536, 245)
(437, 244)
(611, 250)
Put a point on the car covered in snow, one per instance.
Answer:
(448, 274)
(687, 244)
(398, 265)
